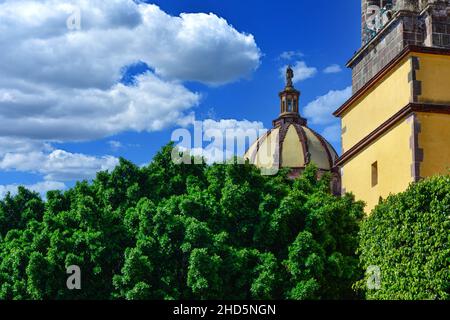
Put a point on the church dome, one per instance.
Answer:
(290, 143)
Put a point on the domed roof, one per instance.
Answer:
(291, 144)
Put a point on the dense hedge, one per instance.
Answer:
(408, 238)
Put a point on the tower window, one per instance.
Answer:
(289, 105)
(374, 174)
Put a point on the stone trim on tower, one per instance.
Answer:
(417, 152)
(416, 85)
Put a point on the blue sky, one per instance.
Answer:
(74, 100)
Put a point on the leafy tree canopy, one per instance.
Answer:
(169, 231)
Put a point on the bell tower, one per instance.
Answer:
(389, 26)
(289, 102)
(396, 126)
(375, 13)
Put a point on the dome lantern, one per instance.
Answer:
(289, 102)
(291, 143)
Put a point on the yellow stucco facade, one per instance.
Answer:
(434, 74)
(376, 106)
(393, 156)
(396, 130)
(434, 140)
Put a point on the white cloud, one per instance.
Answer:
(40, 187)
(58, 165)
(237, 136)
(55, 165)
(301, 71)
(232, 125)
(67, 114)
(320, 111)
(115, 145)
(224, 139)
(288, 55)
(334, 68)
(15, 145)
(60, 85)
(200, 47)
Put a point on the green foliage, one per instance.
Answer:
(169, 231)
(408, 237)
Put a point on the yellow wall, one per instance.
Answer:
(434, 73)
(434, 139)
(394, 156)
(379, 104)
(393, 150)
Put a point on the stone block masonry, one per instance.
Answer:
(429, 27)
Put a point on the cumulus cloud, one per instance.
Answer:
(320, 111)
(196, 47)
(58, 165)
(54, 165)
(221, 140)
(239, 127)
(40, 187)
(289, 55)
(68, 114)
(301, 71)
(14, 145)
(334, 68)
(115, 145)
(62, 85)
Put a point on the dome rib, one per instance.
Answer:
(259, 142)
(324, 145)
(282, 136)
(303, 141)
(332, 151)
(310, 147)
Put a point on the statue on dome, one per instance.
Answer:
(289, 76)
